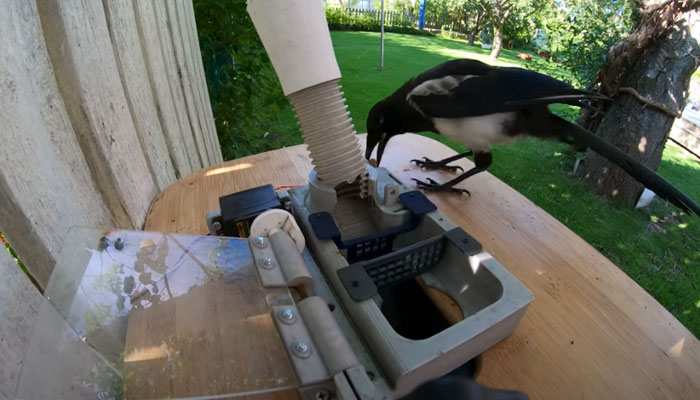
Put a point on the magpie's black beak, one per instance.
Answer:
(376, 134)
(375, 139)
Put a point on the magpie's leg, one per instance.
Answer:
(482, 161)
(442, 164)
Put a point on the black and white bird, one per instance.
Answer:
(482, 106)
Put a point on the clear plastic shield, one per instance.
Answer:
(146, 315)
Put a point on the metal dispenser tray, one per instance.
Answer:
(488, 301)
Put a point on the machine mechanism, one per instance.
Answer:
(356, 283)
(376, 241)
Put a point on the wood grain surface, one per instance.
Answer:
(591, 331)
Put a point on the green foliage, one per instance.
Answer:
(19, 262)
(582, 31)
(520, 27)
(578, 32)
(404, 6)
(518, 18)
(245, 94)
(447, 33)
(437, 9)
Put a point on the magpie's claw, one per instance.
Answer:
(433, 186)
(430, 164)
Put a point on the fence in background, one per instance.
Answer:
(687, 135)
(390, 17)
(405, 19)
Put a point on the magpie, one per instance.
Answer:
(482, 106)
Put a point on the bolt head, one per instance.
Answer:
(260, 241)
(267, 263)
(216, 225)
(301, 349)
(322, 394)
(287, 316)
(119, 244)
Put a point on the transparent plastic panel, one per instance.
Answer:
(146, 315)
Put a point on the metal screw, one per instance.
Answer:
(322, 394)
(119, 244)
(216, 225)
(267, 263)
(287, 316)
(301, 349)
(260, 242)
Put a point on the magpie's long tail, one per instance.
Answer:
(575, 134)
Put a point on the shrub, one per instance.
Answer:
(341, 20)
(245, 94)
(447, 33)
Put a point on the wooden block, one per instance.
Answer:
(173, 77)
(184, 79)
(206, 103)
(88, 79)
(137, 85)
(45, 184)
(155, 64)
(190, 59)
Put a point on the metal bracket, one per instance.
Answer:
(279, 262)
(304, 355)
(266, 261)
(320, 352)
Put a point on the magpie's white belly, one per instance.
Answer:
(477, 133)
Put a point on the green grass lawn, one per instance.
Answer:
(664, 261)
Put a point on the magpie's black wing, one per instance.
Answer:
(494, 90)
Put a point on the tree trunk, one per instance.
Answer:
(497, 41)
(660, 73)
(475, 30)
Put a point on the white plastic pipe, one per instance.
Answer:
(296, 37)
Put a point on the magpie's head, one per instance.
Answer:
(377, 135)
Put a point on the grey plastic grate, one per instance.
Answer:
(399, 267)
(363, 279)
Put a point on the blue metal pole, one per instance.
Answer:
(421, 16)
(381, 39)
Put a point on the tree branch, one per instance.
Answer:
(649, 102)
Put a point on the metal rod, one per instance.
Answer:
(381, 39)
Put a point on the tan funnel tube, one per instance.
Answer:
(296, 37)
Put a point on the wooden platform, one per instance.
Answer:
(591, 331)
